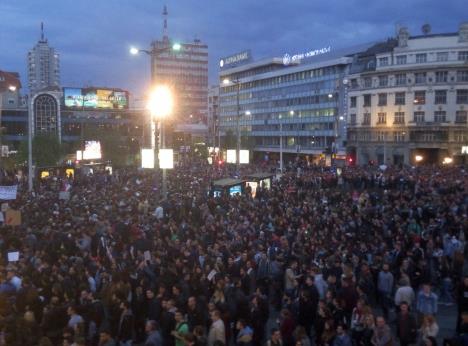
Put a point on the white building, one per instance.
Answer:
(43, 66)
(408, 99)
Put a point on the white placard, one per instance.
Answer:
(13, 256)
(166, 158)
(231, 156)
(147, 158)
(211, 275)
(244, 157)
(8, 192)
(92, 150)
(79, 155)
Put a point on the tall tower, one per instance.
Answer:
(43, 65)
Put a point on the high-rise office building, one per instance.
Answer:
(186, 71)
(43, 66)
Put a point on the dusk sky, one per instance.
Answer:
(93, 37)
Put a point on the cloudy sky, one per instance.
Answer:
(93, 37)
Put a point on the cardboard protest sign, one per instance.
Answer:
(12, 217)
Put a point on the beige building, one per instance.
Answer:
(408, 99)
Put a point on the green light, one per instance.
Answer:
(176, 46)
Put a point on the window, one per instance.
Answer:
(381, 136)
(352, 119)
(399, 118)
(420, 78)
(462, 96)
(400, 98)
(11, 101)
(460, 117)
(383, 81)
(381, 118)
(460, 136)
(420, 97)
(366, 119)
(440, 97)
(442, 56)
(428, 137)
(401, 59)
(441, 76)
(367, 82)
(463, 55)
(367, 100)
(400, 79)
(462, 76)
(440, 116)
(418, 117)
(382, 99)
(399, 136)
(353, 102)
(383, 61)
(354, 83)
(421, 58)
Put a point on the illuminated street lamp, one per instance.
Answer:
(418, 158)
(160, 105)
(12, 88)
(237, 83)
(155, 51)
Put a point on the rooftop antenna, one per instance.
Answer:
(165, 13)
(42, 31)
(426, 29)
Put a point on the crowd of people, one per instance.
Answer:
(355, 256)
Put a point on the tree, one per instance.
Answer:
(47, 150)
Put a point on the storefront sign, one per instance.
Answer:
(288, 59)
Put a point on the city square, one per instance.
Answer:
(215, 191)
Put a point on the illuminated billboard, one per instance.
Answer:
(95, 98)
(92, 150)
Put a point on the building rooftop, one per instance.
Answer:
(8, 79)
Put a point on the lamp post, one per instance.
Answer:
(281, 144)
(237, 83)
(158, 94)
(160, 105)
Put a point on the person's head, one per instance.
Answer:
(215, 315)
(125, 305)
(151, 326)
(385, 267)
(198, 331)
(430, 341)
(71, 310)
(192, 302)
(340, 329)
(404, 308)
(178, 317)
(380, 321)
(427, 288)
(275, 335)
(369, 321)
(104, 336)
(428, 320)
(149, 294)
(241, 323)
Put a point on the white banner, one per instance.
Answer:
(8, 192)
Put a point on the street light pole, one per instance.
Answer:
(281, 144)
(30, 135)
(238, 128)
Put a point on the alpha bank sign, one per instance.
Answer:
(288, 59)
(236, 59)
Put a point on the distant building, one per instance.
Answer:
(43, 66)
(186, 70)
(10, 86)
(297, 99)
(408, 99)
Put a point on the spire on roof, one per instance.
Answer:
(42, 33)
(165, 13)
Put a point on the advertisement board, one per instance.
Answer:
(95, 98)
(147, 158)
(231, 156)
(92, 150)
(166, 159)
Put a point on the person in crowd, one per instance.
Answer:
(429, 327)
(407, 327)
(275, 339)
(321, 247)
(245, 334)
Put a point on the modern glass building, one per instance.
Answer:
(299, 100)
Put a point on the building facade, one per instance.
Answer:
(408, 99)
(43, 66)
(301, 103)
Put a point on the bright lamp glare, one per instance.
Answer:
(160, 102)
(12, 88)
(176, 46)
(134, 51)
(418, 158)
(226, 81)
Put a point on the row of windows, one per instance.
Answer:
(399, 79)
(401, 136)
(440, 97)
(418, 117)
(421, 58)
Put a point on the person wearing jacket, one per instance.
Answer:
(426, 302)
(407, 328)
